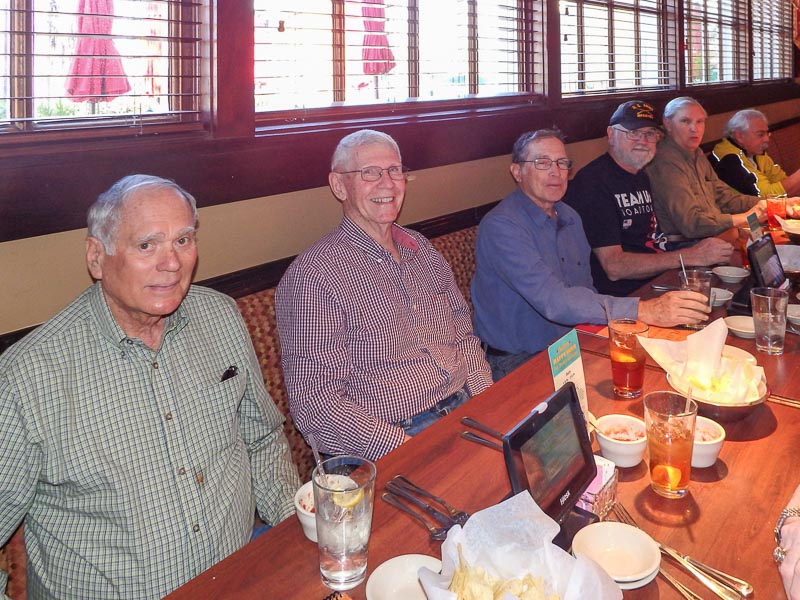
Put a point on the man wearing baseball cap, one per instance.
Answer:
(613, 197)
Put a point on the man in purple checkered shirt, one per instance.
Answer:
(376, 338)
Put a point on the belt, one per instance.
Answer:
(495, 352)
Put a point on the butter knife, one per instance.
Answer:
(742, 587)
(440, 517)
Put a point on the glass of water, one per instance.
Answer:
(343, 499)
(769, 318)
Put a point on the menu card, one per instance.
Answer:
(566, 365)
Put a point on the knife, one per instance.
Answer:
(440, 517)
(723, 590)
(742, 587)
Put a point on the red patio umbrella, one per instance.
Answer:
(96, 74)
(376, 54)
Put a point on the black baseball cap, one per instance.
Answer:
(634, 114)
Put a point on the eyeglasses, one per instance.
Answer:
(637, 135)
(544, 164)
(396, 172)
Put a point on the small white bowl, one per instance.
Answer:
(720, 296)
(304, 507)
(705, 451)
(731, 274)
(625, 552)
(741, 326)
(793, 314)
(623, 453)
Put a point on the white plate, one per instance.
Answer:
(741, 326)
(735, 353)
(702, 395)
(396, 579)
(793, 314)
(632, 585)
(720, 296)
(625, 552)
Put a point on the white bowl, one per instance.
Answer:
(623, 453)
(705, 451)
(398, 577)
(793, 314)
(720, 296)
(625, 552)
(741, 326)
(304, 507)
(731, 274)
(790, 256)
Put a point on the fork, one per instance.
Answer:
(435, 533)
(723, 585)
(459, 516)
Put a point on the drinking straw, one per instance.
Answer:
(688, 400)
(313, 442)
(683, 267)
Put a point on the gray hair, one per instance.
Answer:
(677, 104)
(363, 137)
(519, 153)
(104, 214)
(741, 121)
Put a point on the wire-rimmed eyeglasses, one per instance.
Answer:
(396, 172)
(636, 135)
(544, 164)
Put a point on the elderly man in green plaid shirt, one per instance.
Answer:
(137, 438)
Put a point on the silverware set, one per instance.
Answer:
(410, 498)
(721, 584)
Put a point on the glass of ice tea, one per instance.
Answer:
(669, 420)
(627, 356)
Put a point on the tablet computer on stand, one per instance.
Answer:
(766, 270)
(549, 454)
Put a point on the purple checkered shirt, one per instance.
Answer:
(367, 341)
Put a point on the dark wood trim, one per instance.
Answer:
(49, 190)
(247, 281)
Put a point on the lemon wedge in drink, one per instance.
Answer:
(348, 498)
(667, 476)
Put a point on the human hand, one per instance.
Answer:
(759, 210)
(793, 207)
(709, 251)
(675, 308)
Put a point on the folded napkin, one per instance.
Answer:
(698, 363)
(511, 540)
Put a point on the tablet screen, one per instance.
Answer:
(765, 263)
(550, 455)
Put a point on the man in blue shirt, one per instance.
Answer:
(533, 280)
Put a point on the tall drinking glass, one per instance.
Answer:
(669, 420)
(343, 499)
(696, 281)
(776, 206)
(627, 356)
(769, 318)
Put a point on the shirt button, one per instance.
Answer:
(199, 477)
(155, 365)
(195, 527)
(182, 471)
(168, 416)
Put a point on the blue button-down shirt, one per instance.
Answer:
(532, 280)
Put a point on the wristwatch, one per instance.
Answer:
(780, 552)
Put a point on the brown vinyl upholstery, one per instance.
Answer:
(258, 311)
(458, 249)
(784, 147)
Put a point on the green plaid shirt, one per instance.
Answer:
(135, 469)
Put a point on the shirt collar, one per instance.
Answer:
(110, 329)
(405, 242)
(537, 215)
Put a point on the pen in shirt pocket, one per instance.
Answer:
(231, 371)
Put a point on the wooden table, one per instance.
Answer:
(726, 520)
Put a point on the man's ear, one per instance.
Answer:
(337, 186)
(515, 169)
(95, 254)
